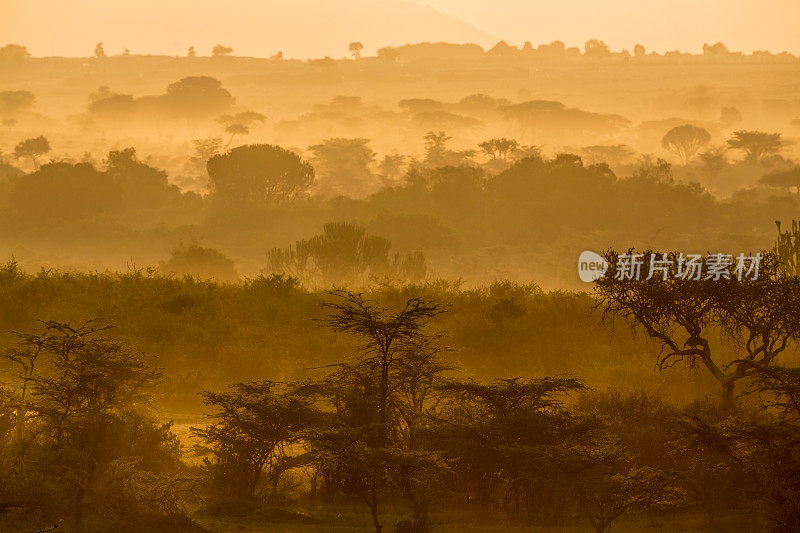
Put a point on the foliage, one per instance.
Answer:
(250, 435)
(685, 141)
(15, 102)
(260, 174)
(66, 191)
(196, 260)
(33, 149)
(345, 254)
(678, 310)
(756, 144)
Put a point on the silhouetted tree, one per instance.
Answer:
(611, 154)
(715, 50)
(760, 447)
(595, 48)
(344, 166)
(260, 174)
(99, 52)
(251, 432)
(199, 261)
(33, 149)
(509, 438)
(436, 146)
(681, 306)
(714, 161)
(730, 115)
(355, 49)
(388, 339)
(93, 382)
(196, 97)
(221, 51)
(142, 186)
(246, 118)
(605, 494)
(344, 254)
(499, 148)
(390, 167)
(13, 54)
(204, 149)
(15, 102)
(67, 191)
(756, 144)
(790, 179)
(685, 141)
(234, 130)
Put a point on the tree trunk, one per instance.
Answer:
(77, 511)
(602, 526)
(383, 408)
(372, 503)
(728, 388)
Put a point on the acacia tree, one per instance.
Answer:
(612, 154)
(203, 150)
(355, 49)
(787, 248)
(90, 383)
(714, 161)
(509, 437)
(756, 144)
(763, 445)
(252, 429)
(604, 495)
(685, 141)
(385, 335)
(684, 314)
(499, 148)
(33, 149)
(234, 130)
(390, 341)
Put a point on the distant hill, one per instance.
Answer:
(298, 28)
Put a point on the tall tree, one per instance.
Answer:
(250, 434)
(260, 174)
(756, 144)
(681, 307)
(355, 49)
(33, 149)
(93, 381)
(685, 141)
(387, 340)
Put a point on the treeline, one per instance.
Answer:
(489, 214)
(593, 49)
(206, 334)
(392, 423)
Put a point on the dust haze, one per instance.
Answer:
(314, 266)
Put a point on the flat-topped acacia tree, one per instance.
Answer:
(756, 317)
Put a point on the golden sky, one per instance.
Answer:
(314, 28)
(660, 25)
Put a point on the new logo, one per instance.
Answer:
(591, 266)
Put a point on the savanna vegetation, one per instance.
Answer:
(341, 295)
